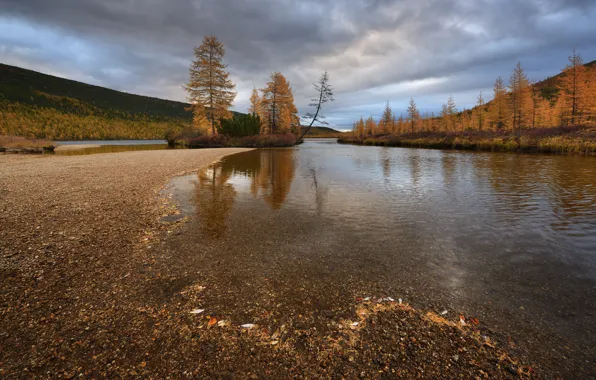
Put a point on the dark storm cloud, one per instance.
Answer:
(375, 50)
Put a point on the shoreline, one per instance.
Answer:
(574, 140)
(86, 269)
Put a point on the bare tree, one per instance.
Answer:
(324, 95)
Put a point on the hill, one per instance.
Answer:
(37, 105)
(321, 132)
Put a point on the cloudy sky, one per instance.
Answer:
(374, 50)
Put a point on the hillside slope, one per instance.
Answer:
(37, 105)
(32, 88)
(322, 132)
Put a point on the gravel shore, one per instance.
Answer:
(87, 291)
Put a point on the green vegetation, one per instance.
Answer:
(37, 105)
(240, 126)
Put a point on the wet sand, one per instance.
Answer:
(89, 289)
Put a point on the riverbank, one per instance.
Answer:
(88, 289)
(562, 140)
(222, 141)
(15, 144)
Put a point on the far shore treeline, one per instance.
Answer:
(557, 115)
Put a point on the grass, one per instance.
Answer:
(560, 140)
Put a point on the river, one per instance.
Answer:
(506, 238)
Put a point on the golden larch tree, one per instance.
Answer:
(499, 111)
(386, 120)
(210, 86)
(521, 98)
(480, 111)
(255, 102)
(279, 110)
(574, 86)
(370, 126)
(413, 114)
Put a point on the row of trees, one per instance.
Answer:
(568, 99)
(211, 93)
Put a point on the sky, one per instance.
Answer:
(375, 51)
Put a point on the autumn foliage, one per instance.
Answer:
(568, 99)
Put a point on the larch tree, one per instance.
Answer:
(210, 88)
(413, 114)
(521, 98)
(370, 125)
(324, 95)
(480, 110)
(445, 118)
(499, 108)
(277, 101)
(574, 89)
(386, 119)
(255, 102)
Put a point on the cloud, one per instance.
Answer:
(374, 50)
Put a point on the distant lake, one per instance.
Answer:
(112, 142)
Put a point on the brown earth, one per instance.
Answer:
(86, 291)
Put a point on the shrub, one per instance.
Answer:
(240, 126)
(213, 141)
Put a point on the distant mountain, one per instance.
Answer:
(322, 132)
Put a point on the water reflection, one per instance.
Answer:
(270, 173)
(215, 200)
(274, 177)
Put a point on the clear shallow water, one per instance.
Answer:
(508, 238)
(114, 148)
(112, 142)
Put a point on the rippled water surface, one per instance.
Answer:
(505, 237)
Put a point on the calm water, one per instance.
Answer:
(112, 142)
(111, 146)
(510, 239)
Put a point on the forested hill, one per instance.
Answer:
(30, 87)
(33, 104)
(549, 86)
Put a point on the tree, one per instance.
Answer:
(445, 117)
(277, 101)
(386, 120)
(413, 113)
(360, 127)
(255, 102)
(480, 110)
(499, 109)
(521, 99)
(209, 85)
(370, 126)
(451, 108)
(574, 89)
(324, 95)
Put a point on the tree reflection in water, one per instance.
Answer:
(271, 172)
